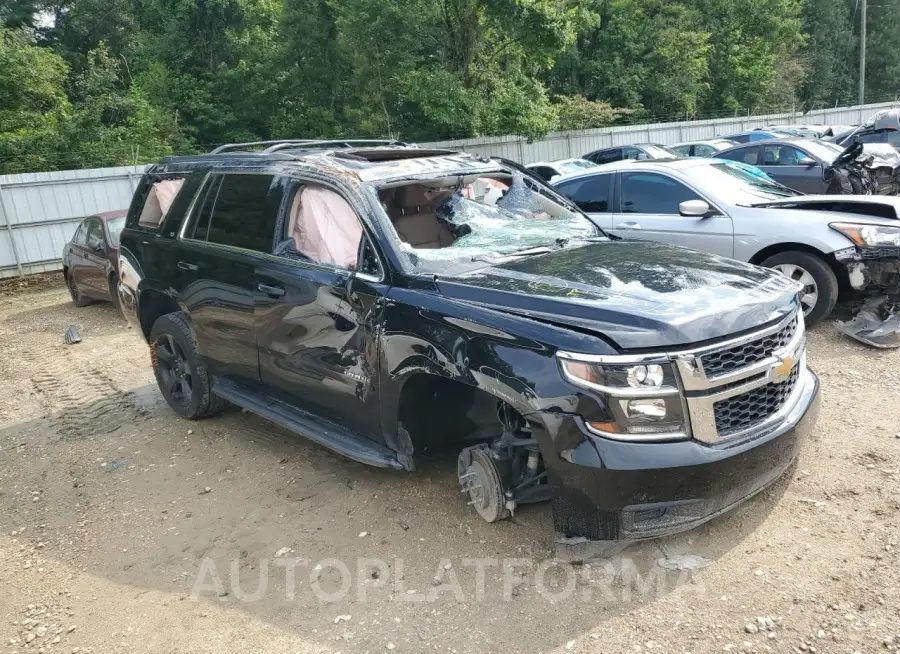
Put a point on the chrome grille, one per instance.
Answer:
(747, 409)
(734, 358)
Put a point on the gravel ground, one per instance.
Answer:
(125, 529)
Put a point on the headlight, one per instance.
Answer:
(869, 235)
(641, 399)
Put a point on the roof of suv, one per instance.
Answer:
(368, 163)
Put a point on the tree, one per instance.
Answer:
(33, 104)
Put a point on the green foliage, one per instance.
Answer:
(103, 82)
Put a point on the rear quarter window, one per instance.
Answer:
(161, 201)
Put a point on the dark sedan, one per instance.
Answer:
(639, 151)
(797, 163)
(91, 258)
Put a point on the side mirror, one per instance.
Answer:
(809, 162)
(694, 209)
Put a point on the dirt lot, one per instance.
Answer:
(124, 529)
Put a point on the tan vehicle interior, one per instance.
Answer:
(412, 208)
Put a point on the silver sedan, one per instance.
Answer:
(827, 243)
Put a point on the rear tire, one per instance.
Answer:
(180, 371)
(78, 298)
(821, 288)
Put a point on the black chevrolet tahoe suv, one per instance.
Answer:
(383, 300)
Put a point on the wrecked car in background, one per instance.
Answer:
(814, 166)
(385, 301)
(720, 207)
(882, 127)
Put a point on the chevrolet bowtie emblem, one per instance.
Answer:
(784, 367)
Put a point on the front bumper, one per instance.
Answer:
(608, 490)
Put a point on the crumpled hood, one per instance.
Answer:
(639, 294)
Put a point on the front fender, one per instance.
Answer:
(510, 357)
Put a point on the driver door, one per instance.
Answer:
(648, 209)
(319, 303)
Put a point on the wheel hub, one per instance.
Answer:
(809, 296)
(481, 481)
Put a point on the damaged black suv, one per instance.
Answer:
(382, 300)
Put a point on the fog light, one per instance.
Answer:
(646, 409)
(643, 376)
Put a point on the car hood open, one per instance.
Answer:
(638, 294)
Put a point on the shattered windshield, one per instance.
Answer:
(738, 184)
(464, 223)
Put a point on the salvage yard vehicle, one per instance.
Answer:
(882, 127)
(639, 151)
(702, 148)
(549, 170)
(754, 135)
(90, 259)
(813, 166)
(382, 302)
(720, 207)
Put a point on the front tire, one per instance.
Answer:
(820, 285)
(180, 371)
(114, 291)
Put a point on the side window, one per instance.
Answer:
(704, 150)
(633, 153)
(244, 212)
(607, 156)
(94, 234)
(591, 194)
(744, 155)
(652, 193)
(893, 138)
(200, 229)
(685, 150)
(323, 227)
(157, 201)
(80, 237)
(782, 155)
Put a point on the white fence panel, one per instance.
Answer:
(39, 212)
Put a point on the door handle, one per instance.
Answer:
(272, 291)
(184, 265)
(630, 225)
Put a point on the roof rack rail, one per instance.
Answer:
(287, 144)
(337, 143)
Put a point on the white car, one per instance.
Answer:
(550, 170)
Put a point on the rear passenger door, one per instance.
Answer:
(319, 304)
(593, 195)
(649, 209)
(231, 229)
(748, 155)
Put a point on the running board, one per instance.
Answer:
(328, 434)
